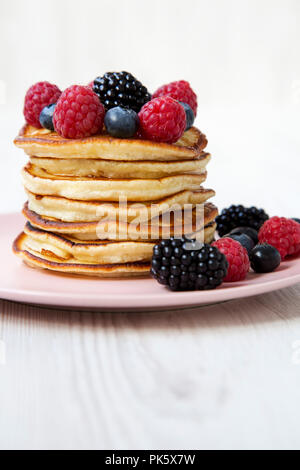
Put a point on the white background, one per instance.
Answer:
(242, 58)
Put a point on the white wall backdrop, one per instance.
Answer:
(242, 57)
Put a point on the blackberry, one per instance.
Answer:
(121, 89)
(183, 264)
(240, 216)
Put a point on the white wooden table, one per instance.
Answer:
(221, 376)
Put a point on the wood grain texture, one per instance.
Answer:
(215, 377)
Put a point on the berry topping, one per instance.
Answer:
(250, 232)
(180, 91)
(46, 117)
(190, 117)
(183, 264)
(296, 220)
(237, 216)
(243, 239)
(283, 234)
(237, 258)
(37, 97)
(162, 120)
(121, 89)
(121, 122)
(78, 113)
(264, 258)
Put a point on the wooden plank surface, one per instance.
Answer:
(221, 376)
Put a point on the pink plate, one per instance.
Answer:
(23, 284)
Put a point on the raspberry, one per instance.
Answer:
(236, 256)
(78, 113)
(283, 234)
(180, 91)
(37, 97)
(162, 120)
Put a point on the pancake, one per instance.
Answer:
(93, 252)
(164, 226)
(68, 210)
(39, 182)
(66, 248)
(44, 143)
(120, 169)
(46, 259)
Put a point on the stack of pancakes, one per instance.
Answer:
(97, 206)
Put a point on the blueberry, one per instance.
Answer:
(244, 240)
(296, 220)
(46, 117)
(121, 122)
(251, 232)
(190, 117)
(264, 258)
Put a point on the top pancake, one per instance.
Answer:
(44, 143)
